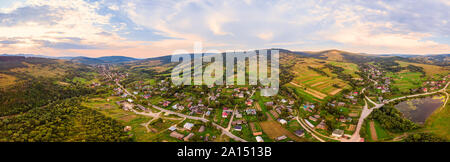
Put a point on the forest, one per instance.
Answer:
(392, 120)
(62, 121)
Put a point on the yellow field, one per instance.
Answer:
(39, 70)
(318, 85)
(430, 70)
(6, 80)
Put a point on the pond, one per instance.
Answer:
(418, 110)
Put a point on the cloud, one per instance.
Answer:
(159, 27)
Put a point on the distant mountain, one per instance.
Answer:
(103, 60)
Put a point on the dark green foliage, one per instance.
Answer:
(61, 121)
(423, 137)
(36, 93)
(392, 119)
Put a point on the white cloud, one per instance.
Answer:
(266, 36)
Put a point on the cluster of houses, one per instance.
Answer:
(187, 127)
(429, 86)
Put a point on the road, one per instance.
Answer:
(367, 111)
(309, 131)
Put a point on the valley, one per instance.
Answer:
(328, 96)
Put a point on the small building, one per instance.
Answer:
(282, 121)
(281, 138)
(259, 139)
(176, 135)
(173, 128)
(130, 100)
(202, 129)
(224, 115)
(238, 115)
(188, 126)
(338, 133)
(238, 128)
(312, 118)
(127, 129)
(299, 133)
(189, 136)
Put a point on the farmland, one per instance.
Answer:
(313, 78)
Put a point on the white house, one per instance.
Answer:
(188, 126)
(282, 121)
(338, 133)
(259, 139)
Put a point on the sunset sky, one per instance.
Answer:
(149, 28)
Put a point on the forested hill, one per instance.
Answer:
(27, 83)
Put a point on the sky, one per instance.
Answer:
(150, 28)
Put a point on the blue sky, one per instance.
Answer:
(149, 28)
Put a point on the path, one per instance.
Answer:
(309, 131)
(373, 131)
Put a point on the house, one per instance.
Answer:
(281, 138)
(259, 139)
(257, 133)
(188, 126)
(173, 128)
(238, 115)
(127, 129)
(177, 135)
(251, 111)
(338, 133)
(341, 104)
(224, 114)
(299, 133)
(269, 104)
(282, 121)
(309, 123)
(312, 118)
(189, 136)
(322, 125)
(238, 122)
(238, 128)
(291, 102)
(249, 102)
(202, 129)
(130, 100)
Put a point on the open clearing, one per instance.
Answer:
(273, 129)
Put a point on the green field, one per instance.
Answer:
(406, 80)
(438, 122)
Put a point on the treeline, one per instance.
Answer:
(339, 71)
(392, 119)
(36, 93)
(62, 121)
(424, 137)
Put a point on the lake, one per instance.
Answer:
(418, 110)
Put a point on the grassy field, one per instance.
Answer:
(406, 80)
(430, 70)
(438, 122)
(273, 129)
(40, 71)
(139, 131)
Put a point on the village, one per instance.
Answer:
(208, 113)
